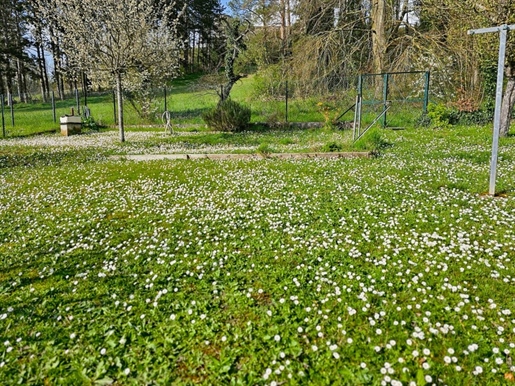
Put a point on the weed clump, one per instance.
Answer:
(332, 147)
(372, 140)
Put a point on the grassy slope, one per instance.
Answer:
(304, 272)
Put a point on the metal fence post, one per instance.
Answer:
(12, 108)
(77, 100)
(286, 100)
(386, 78)
(356, 112)
(360, 101)
(3, 116)
(426, 91)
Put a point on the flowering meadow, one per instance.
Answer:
(394, 270)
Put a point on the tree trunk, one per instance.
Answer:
(19, 81)
(234, 44)
(378, 35)
(378, 41)
(41, 74)
(282, 30)
(56, 55)
(45, 71)
(508, 101)
(232, 78)
(193, 52)
(25, 88)
(8, 82)
(199, 49)
(119, 97)
(84, 81)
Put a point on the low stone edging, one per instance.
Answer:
(154, 157)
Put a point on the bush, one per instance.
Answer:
(441, 116)
(228, 116)
(479, 117)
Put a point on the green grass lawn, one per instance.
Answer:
(158, 142)
(388, 270)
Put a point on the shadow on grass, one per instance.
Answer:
(190, 113)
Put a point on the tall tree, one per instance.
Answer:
(271, 29)
(236, 31)
(14, 61)
(122, 42)
(330, 42)
(201, 28)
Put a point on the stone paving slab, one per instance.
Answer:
(154, 157)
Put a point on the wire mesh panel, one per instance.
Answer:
(303, 101)
(405, 94)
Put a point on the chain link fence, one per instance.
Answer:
(330, 102)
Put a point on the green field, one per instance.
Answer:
(388, 270)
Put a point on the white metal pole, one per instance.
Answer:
(498, 104)
(503, 30)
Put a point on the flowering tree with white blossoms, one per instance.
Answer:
(120, 42)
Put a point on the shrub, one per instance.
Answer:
(479, 117)
(440, 115)
(423, 121)
(228, 116)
